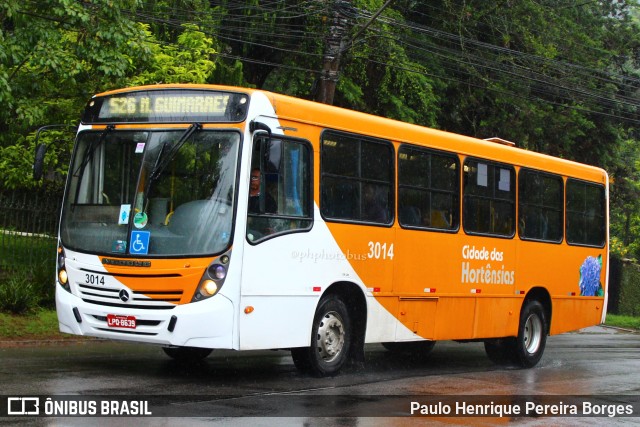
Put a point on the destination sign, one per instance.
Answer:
(167, 105)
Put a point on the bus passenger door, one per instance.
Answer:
(276, 287)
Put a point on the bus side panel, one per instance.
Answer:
(455, 318)
(417, 315)
(370, 251)
(558, 269)
(497, 316)
(287, 277)
(570, 313)
(425, 262)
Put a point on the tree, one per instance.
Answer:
(55, 54)
(51, 83)
(187, 61)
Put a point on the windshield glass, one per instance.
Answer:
(151, 193)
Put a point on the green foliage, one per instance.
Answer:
(16, 161)
(14, 166)
(187, 61)
(18, 294)
(629, 303)
(57, 60)
(42, 275)
(625, 200)
(26, 284)
(54, 55)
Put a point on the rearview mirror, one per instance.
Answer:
(41, 149)
(38, 162)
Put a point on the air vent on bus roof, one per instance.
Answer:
(500, 141)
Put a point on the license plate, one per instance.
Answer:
(117, 321)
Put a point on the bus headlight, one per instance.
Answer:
(209, 288)
(63, 278)
(212, 279)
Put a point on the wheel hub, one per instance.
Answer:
(330, 336)
(532, 333)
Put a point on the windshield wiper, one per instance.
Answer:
(163, 162)
(88, 155)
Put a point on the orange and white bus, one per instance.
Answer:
(202, 217)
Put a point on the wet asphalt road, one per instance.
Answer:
(229, 386)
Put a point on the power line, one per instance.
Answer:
(513, 67)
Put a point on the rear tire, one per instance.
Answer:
(532, 335)
(331, 339)
(421, 348)
(526, 349)
(187, 354)
(500, 351)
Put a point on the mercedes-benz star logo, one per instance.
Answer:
(124, 295)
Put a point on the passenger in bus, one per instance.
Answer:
(410, 215)
(501, 219)
(533, 223)
(439, 219)
(374, 206)
(255, 190)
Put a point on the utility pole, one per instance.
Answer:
(336, 44)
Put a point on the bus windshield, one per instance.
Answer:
(148, 193)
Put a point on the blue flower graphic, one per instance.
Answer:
(590, 277)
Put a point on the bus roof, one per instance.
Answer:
(328, 116)
(304, 111)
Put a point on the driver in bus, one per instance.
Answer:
(255, 190)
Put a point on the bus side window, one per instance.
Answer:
(280, 188)
(489, 198)
(540, 206)
(428, 188)
(356, 178)
(586, 217)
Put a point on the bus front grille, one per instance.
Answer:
(114, 297)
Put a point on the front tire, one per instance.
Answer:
(187, 354)
(331, 340)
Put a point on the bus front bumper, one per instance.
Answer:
(207, 324)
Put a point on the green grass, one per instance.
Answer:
(41, 324)
(628, 322)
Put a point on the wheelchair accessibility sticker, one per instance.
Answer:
(139, 244)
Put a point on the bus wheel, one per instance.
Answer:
(421, 348)
(526, 349)
(187, 354)
(330, 340)
(500, 351)
(532, 335)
